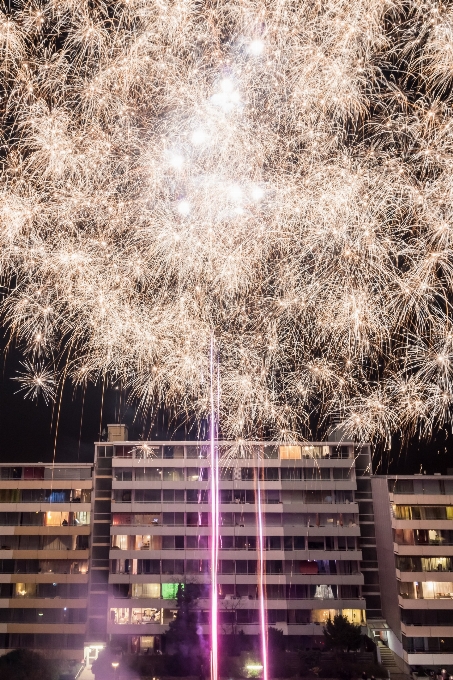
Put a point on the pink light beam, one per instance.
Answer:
(215, 528)
(261, 576)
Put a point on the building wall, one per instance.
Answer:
(386, 561)
(44, 557)
(161, 529)
(367, 541)
(415, 545)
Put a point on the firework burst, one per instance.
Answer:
(275, 175)
(36, 380)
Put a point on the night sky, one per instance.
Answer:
(29, 432)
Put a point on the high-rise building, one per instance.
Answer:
(152, 530)
(44, 557)
(414, 535)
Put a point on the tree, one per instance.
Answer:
(275, 640)
(23, 664)
(341, 634)
(184, 638)
(102, 667)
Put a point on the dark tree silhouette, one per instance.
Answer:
(341, 634)
(22, 664)
(184, 639)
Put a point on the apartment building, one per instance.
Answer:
(45, 514)
(160, 531)
(414, 535)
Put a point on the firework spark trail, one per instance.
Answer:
(173, 171)
(215, 524)
(172, 168)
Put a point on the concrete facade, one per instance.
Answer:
(414, 535)
(158, 521)
(45, 515)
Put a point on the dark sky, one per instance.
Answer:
(29, 433)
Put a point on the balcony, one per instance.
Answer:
(151, 451)
(426, 590)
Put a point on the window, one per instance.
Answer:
(274, 567)
(290, 452)
(299, 542)
(197, 474)
(172, 542)
(197, 566)
(171, 452)
(402, 512)
(323, 615)
(316, 473)
(119, 452)
(197, 519)
(173, 518)
(401, 486)
(291, 474)
(33, 473)
(119, 615)
(151, 474)
(147, 496)
(173, 474)
(197, 451)
(270, 452)
(170, 590)
(122, 495)
(226, 566)
(119, 542)
(149, 615)
(25, 589)
(226, 519)
(201, 496)
(434, 564)
(356, 616)
(10, 473)
(269, 474)
(123, 474)
(151, 590)
(10, 495)
(314, 451)
(170, 567)
(173, 495)
(148, 566)
(197, 542)
(168, 542)
(342, 473)
(314, 496)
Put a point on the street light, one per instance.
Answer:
(115, 665)
(254, 670)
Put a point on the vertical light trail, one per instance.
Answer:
(215, 525)
(261, 576)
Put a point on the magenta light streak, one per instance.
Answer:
(263, 623)
(215, 529)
